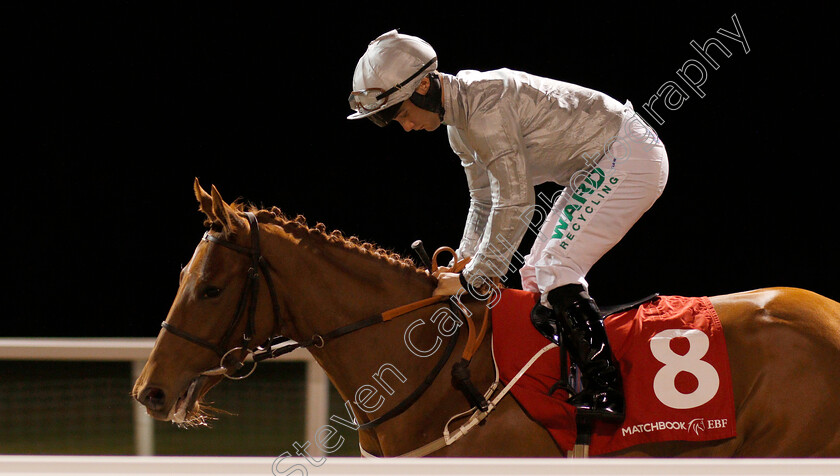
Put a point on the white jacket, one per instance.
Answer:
(512, 131)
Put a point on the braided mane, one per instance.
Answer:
(335, 237)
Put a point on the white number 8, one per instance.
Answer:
(664, 385)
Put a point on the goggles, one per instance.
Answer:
(372, 99)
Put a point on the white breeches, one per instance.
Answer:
(597, 208)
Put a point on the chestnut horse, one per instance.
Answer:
(783, 344)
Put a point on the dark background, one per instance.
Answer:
(113, 108)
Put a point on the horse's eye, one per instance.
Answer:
(211, 292)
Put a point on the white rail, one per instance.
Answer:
(335, 466)
(136, 351)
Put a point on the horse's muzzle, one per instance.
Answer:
(152, 398)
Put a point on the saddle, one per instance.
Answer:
(693, 387)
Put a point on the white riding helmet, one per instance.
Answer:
(388, 73)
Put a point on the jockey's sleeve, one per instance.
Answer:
(500, 165)
(478, 182)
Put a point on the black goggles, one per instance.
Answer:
(372, 99)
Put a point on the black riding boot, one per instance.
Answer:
(580, 321)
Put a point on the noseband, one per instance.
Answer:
(250, 292)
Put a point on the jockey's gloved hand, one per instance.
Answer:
(448, 283)
(442, 269)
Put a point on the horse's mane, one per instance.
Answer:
(276, 216)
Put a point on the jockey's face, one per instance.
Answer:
(412, 118)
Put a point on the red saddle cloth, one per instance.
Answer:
(674, 366)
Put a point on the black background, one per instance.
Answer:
(113, 108)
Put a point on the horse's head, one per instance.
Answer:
(220, 310)
(227, 305)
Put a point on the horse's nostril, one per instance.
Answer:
(152, 397)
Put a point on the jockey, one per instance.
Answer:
(512, 131)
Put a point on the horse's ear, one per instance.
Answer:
(225, 215)
(205, 201)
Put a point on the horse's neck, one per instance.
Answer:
(328, 284)
(326, 287)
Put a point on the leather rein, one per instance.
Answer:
(269, 349)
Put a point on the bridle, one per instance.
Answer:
(250, 292)
(278, 345)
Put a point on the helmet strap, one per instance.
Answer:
(431, 100)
